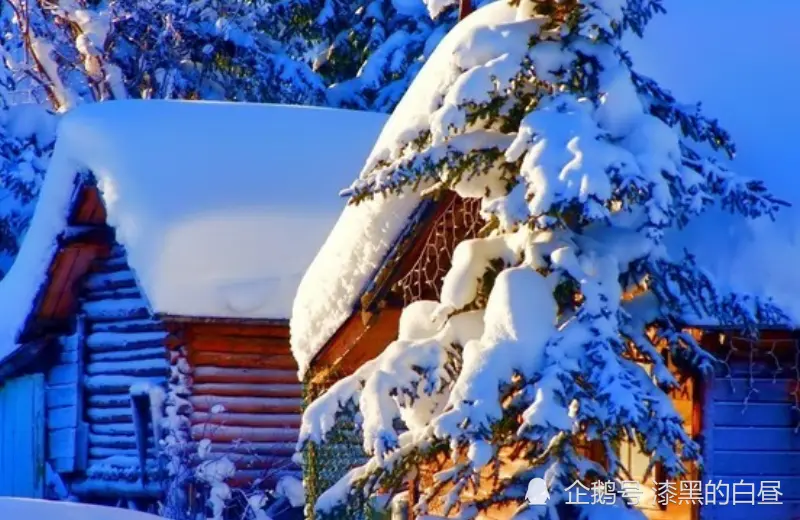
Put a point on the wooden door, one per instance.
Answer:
(22, 437)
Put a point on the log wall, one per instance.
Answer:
(123, 345)
(244, 395)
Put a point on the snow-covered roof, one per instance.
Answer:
(743, 82)
(220, 206)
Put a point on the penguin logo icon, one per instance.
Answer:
(537, 494)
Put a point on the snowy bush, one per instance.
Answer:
(582, 165)
(211, 475)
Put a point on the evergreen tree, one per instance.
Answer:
(26, 142)
(582, 165)
(367, 52)
(83, 50)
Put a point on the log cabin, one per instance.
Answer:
(384, 254)
(147, 310)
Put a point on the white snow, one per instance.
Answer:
(220, 206)
(755, 257)
(364, 233)
(18, 508)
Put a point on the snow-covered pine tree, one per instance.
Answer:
(367, 52)
(582, 166)
(27, 132)
(82, 50)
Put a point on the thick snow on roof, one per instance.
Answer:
(364, 233)
(220, 206)
(697, 51)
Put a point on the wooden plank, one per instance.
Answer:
(733, 438)
(58, 282)
(61, 395)
(62, 465)
(761, 390)
(84, 257)
(248, 419)
(244, 375)
(64, 417)
(61, 443)
(756, 463)
(253, 390)
(204, 403)
(22, 437)
(754, 414)
(64, 374)
(788, 486)
(237, 360)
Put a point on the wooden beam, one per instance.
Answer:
(464, 8)
(20, 358)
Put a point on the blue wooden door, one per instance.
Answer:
(22, 433)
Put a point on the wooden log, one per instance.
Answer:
(109, 415)
(138, 368)
(112, 430)
(110, 341)
(143, 325)
(245, 461)
(128, 354)
(204, 403)
(245, 375)
(112, 384)
(119, 278)
(109, 400)
(245, 419)
(244, 434)
(248, 389)
(111, 294)
(112, 310)
(280, 329)
(241, 360)
(102, 452)
(113, 441)
(256, 448)
(240, 344)
(268, 478)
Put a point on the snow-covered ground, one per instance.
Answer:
(30, 509)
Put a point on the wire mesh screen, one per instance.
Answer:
(459, 221)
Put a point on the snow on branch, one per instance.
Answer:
(546, 324)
